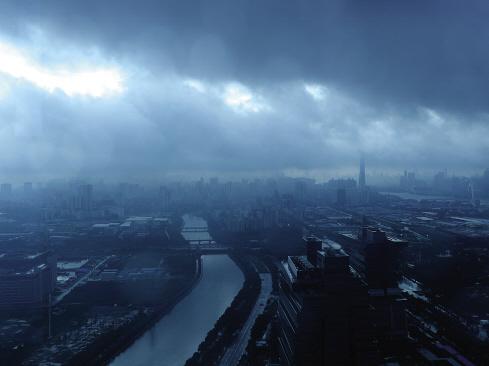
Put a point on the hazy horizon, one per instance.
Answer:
(179, 89)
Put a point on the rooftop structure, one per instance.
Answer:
(322, 309)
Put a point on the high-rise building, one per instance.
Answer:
(361, 176)
(26, 281)
(408, 181)
(165, 199)
(383, 275)
(27, 188)
(85, 197)
(5, 190)
(376, 257)
(323, 310)
(381, 257)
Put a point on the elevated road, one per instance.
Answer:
(80, 281)
(236, 351)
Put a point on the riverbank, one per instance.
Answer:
(234, 318)
(110, 345)
(236, 350)
(177, 336)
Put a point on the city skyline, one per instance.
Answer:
(244, 182)
(234, 90)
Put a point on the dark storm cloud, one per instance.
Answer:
(218, 86)
(423, 52)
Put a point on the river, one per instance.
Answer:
(178, 334)
(418, 197)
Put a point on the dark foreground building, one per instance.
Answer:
(323, 310)
(376, 257)
(26, 281)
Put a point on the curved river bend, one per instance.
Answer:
(176, 337)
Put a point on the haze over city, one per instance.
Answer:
(244, 183)
(244, 88)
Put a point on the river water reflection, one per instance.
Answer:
(177, 335)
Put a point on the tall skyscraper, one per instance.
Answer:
(5, 191)
(165, 199)
(84, 197)
(376, 257)
(323, 310)
(361, 177)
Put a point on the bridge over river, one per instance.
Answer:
(175, 338)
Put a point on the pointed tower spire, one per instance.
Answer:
(361, 177)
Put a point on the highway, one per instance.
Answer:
(235, 352)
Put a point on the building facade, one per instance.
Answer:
(323, 310)
(26, 281)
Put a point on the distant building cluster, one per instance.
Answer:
(361, 275)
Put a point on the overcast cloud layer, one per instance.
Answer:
(154, 89)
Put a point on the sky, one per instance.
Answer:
(157, 89)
